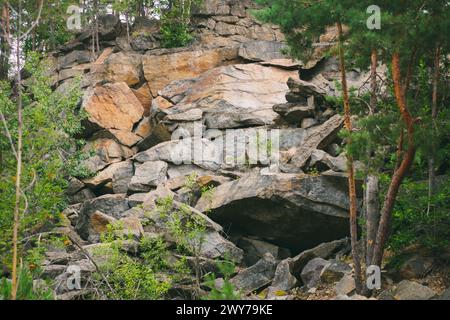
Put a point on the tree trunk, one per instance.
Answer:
(4, 43)
(372, 215)
(350, 168)
(372, 181)
(434, 114)
(16, 224)
(402, 170)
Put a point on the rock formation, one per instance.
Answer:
(156, 116)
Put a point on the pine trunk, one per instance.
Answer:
(350, 168)
(403, 168)
(18, 177)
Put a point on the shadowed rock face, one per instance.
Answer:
(290, 211)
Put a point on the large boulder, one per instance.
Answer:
(257, 276)
(105, 152)
(311, 272)
(123, 67)
(334, 271)
(255, 249)
(111, 205)
(214, 245)
(236, 96)
(410, 290)
(284, 279)
(117, 174)
(324, 251)
(183, 65)
(148, 175)
(115, 108)
(295, 212)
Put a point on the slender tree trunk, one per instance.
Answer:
(373, 215)
(351, 168)
(4, 42)
(434, 114)
(16, 224)
(405, 165)
(372, 181)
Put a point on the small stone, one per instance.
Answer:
(409, 290)
(345, 286)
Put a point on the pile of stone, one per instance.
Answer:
(146, 104)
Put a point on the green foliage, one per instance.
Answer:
(130, 278)
(50, 122)
(227, 291)
(25, 291)
(188, 229)
(175, 22)
(413, 225)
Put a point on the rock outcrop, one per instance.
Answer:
(226, 128)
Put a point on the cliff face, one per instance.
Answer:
(228, 112)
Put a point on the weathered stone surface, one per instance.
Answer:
(123, 67)
(214, 245)
(409, 290)
(262, 50)
(108, 174)
(316, 209)
(98, 224)
(337, 164)
(200, 152)
(445, 295)
(301, 90)
(309, 122)
(144, 95)
(415, 267)
(128, 139)
(345, 286)
(256, 249)
(257, 276)
(106, 151)
(238, 96)
(148, 175)
(284, 279)
(131, 227)
(183, 65)
(122, 177)
(294, 113)
(114, 106)
(324, 251)
(311, 272)
(81, 196)
(317, 138)
(111, 205)
(334, 271)
(73, 58)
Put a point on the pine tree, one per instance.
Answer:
(409, 35)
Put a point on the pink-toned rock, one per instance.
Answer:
(183, 65)
(144, 95)
(123, 67)
(114, 107)
(238, 95)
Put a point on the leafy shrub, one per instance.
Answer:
(412, 224)
(227, 291)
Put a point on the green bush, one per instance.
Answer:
(227, 292)
(413, 225)
(175, 23)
